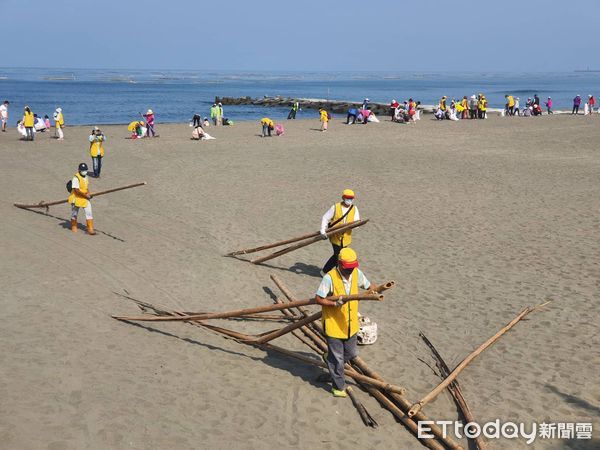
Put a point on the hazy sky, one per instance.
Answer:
(386, 35)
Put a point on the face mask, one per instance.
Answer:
(346, 272)
(83, 173)
(348, 201)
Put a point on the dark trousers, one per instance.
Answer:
(473, 113)
(340, 351)
(292, 114)
(196, 122)
(331, 262)
(351, 118)
(266, 129)
(150, 130)
(575, 110)
(29, 131)
(97, 165)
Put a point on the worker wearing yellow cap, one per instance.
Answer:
(340, 319)
(340, 213)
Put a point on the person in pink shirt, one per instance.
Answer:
(549, 105)
(149, 116)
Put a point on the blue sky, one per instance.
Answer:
(509, 35)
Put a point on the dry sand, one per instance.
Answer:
(474, 220)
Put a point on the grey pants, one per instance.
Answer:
(340, 351)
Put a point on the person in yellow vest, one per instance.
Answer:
(340, 320)
(340, 213)
(510, 105)
(97, 140)
(464, 103)
(59, 123)
(442, 104)
(324, 118)
(482, 106)
(267, 126)
(80, 198)
(28, 123)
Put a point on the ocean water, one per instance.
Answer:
(116, 96)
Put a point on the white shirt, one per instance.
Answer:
(331, 212)
(3, 111)
(326, 286)
(75, 182)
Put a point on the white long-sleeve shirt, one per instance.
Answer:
(331, 212)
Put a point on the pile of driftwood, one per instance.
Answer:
(304, 326)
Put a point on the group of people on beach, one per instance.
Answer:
(31, 123)
(474, 107)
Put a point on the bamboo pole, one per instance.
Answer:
(242, 312)
(336, 228)
(465, 362)
(46, 205)
(307, 242)
(289, 328)
(403, 403)
(454, 389)
(350, 373)
(402, 417)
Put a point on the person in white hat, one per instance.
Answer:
(59, 123)
(149, 116)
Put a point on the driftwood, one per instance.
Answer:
(308, 242)
(242, 312)
(336, 228)
(465, 362)
(360, 366)
(455, 390)
(46, 205)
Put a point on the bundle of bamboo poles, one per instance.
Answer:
(305, 327)
(299, 242)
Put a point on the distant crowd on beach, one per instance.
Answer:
(476, 107)
(409, 111)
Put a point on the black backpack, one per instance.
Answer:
(69, 186)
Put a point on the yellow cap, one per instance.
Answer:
(348, 193)
(348, 258)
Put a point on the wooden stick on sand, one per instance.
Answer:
(308, 242)
(465, 362)
(242, 312)
(455, 390)
(60, 202)
(336, 228)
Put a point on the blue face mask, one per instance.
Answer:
(348, 201)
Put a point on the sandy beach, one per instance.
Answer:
(474, 220)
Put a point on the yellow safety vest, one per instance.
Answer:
(76, 199)
(96, 147)
(28, 119)
(342, 239)
(60, 121)
(341, 322)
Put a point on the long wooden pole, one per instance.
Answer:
(291, 248)
(454, 389)
(242, 312)
(465, 362)
(336, 228)
(351, 373)
(60, 202)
